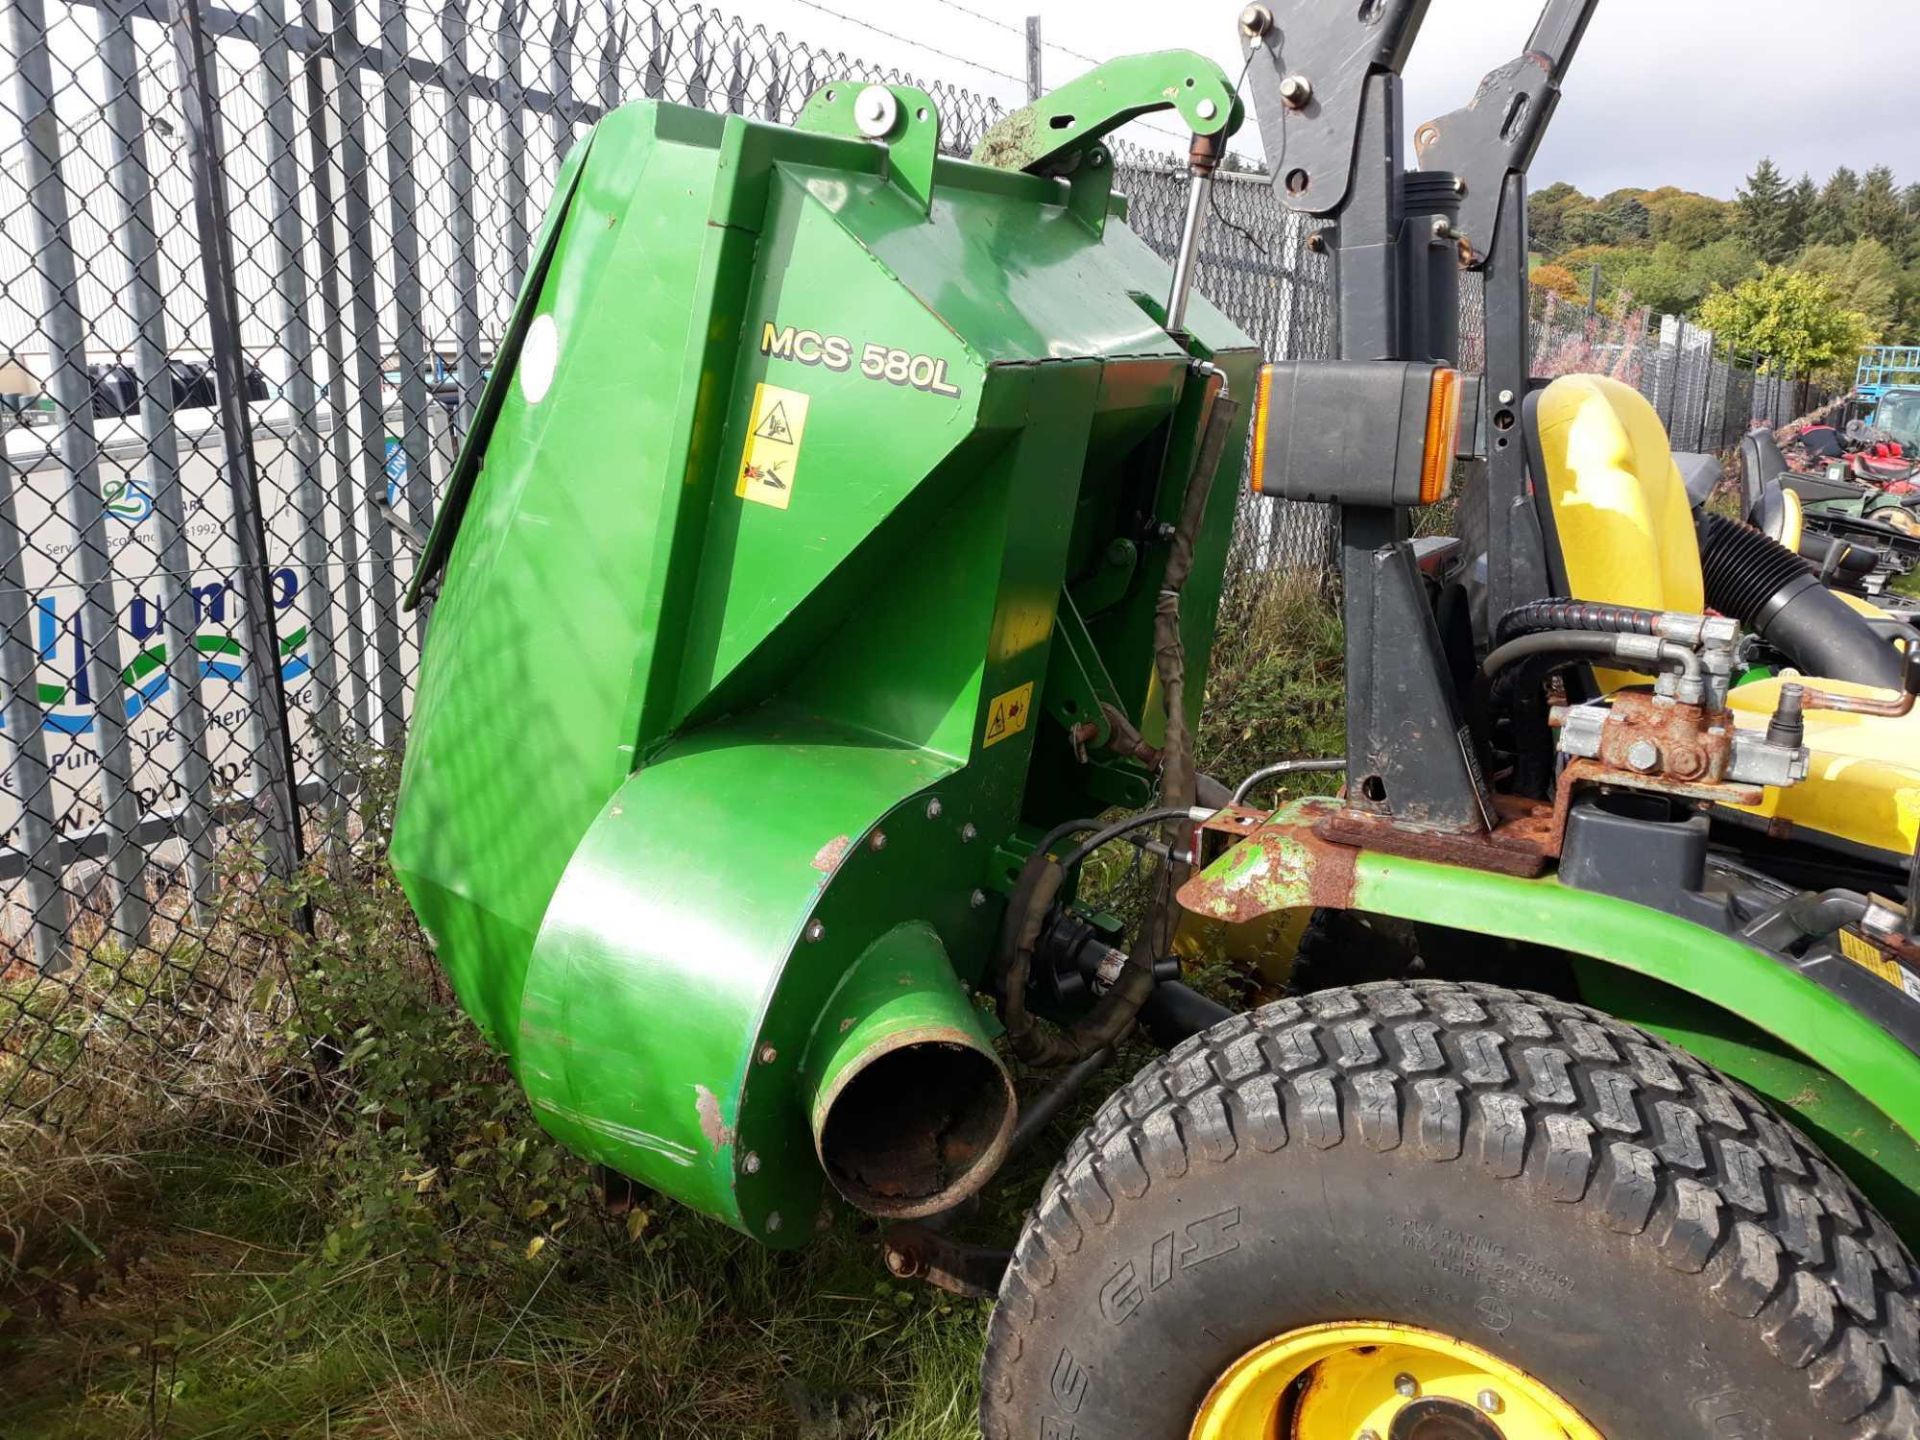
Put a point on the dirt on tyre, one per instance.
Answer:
(1396, 1206)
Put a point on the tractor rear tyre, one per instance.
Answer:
(1433, 1211)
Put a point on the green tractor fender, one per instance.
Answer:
(1834, 1051)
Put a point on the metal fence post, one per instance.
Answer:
(409, 325)
(37, 840)
(357, 686)
(356, 171)
(100, 670)
(303, 400)
(460, 225)
(261, 643)
(146, 305)
(1034, 88)
(513, 137)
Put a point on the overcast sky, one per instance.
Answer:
(1665, 92)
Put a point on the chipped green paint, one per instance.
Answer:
(1081, 112)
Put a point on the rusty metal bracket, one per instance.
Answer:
(913, 1252)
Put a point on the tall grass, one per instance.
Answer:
(349, 1225)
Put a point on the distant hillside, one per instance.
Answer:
(1671, 248)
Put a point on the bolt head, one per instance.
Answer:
(751, 1163)
(768, 1054)
(875, 110)
(933, 808)
(1256, 20)
(1297, 91)
(968, 832)
(774, 1222)
(877, 840)
(1206, 109)
(1506, 397)
(1643, 755)
(1405, 1386)
(815, 930)
(977, 899)
(1490, 1401)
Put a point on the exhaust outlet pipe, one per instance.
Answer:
(912, 1112)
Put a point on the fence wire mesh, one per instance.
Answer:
(254, 259)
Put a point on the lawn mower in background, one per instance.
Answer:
(1859, 537)
(831, 571)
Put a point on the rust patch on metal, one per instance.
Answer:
(828, 857)
(1522, 844)
(1688, 742)
(719, 1134)
(924, 1143)
(913, 1252)
(1581, 774)
(1287, 866)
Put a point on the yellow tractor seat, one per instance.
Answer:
(1619, 530)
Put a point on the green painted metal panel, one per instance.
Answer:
(523, 709)
(666, 704)
(647, 987)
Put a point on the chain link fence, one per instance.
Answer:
(1706, 393)
(254, 258)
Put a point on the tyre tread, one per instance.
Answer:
(1587, 1111)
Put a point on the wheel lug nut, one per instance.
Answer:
(1406, 1386)
(1490, 1401)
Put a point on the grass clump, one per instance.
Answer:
(351, 1225)
(1276, 685)
(379, 1240)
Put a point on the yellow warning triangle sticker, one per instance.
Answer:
(771, 455)
(1007, 715)
(775, 426)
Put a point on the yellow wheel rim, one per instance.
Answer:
(1370, 1381)
(1900, 519)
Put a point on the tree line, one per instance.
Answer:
(1804, 274)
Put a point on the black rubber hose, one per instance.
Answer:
(1040, 1112)
(1174, 1012)
(1774, 593)
(1574, 615)
(1040, 882)
(1107, 834)
(1562, 646)
(1578, 644)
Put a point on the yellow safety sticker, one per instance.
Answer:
(1868, 956)
(1007, 715)
(772, 453)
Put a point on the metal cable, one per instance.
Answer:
(917, 44)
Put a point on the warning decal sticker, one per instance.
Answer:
(1007, 715)
(1864, 953)
(772, 452)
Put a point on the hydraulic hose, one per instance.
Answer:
(1775, 594)
(1520, 668)
(1572, 646)
(1175, 1011)
(1116, 1011)
(1288, 767)
(1541, 615)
